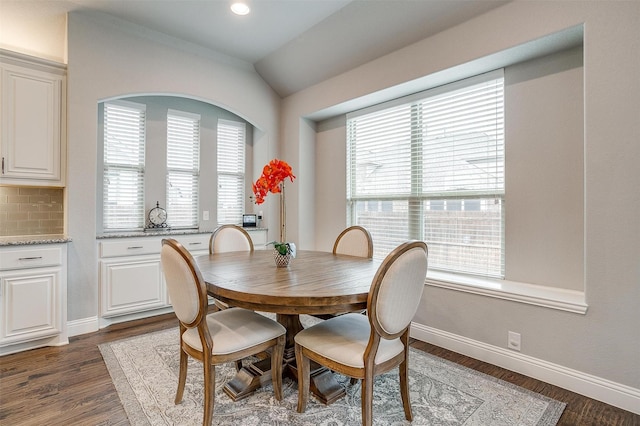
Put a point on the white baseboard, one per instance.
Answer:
(92, 324)
(604, 390)
(56, 340)
(82, 326)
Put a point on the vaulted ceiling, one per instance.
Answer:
(292, 44)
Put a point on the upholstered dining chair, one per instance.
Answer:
(219, 337)
(229, 238)
(363, 347)
(355, 241)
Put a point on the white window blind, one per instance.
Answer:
(123, 178)
(183, 167)
(231, 166)
(431, 167)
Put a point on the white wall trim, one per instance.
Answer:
(548, 297)
(82, 326)
(604, 390)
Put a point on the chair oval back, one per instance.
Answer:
(186, 287)
(396, 289)
(355, 241)
(230, 238)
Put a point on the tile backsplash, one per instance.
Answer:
(31, 211)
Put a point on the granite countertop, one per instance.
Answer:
(158, 233)
(34, 239)
(59, 238)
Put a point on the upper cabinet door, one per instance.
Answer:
(33, 124)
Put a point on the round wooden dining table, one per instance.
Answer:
(315, 282)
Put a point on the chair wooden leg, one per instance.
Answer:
(404, 389)
(304, 379)
(238, 364)
(367, 400)
(182, 376)
(209, 391)
(276, 367)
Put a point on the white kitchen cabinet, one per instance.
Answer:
(132, 285)
(33, 295)
(33, 116)
(258, 236)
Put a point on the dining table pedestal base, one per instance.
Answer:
(248, 379)
(324, 385)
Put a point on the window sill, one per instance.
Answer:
(548, 297)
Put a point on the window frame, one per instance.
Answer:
(235, 171)
(114, 222)
(183, 170)
(408, 126)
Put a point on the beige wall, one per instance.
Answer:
(544, 150)
(42, 34)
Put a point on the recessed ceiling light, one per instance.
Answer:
(240, 8)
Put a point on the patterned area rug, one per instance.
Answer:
(144, 370)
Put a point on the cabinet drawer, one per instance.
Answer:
(194, 243)
(129, 247)
(151, 245)
(30, 258)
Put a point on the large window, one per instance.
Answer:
(183, 162)
(123, 177)
(431, 167)
(231, 166)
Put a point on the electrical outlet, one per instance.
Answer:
(205, 215)
(513, 341)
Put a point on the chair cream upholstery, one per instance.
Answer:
(219, 337)
(230, 238)
(363, 347)
(354, 241)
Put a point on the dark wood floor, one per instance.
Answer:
(70, 385)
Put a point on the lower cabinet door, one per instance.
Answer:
(31, 305)
(131, 286)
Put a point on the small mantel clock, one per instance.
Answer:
(157, 217)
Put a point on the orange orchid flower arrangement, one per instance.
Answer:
(272, 180)
(273, 175)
